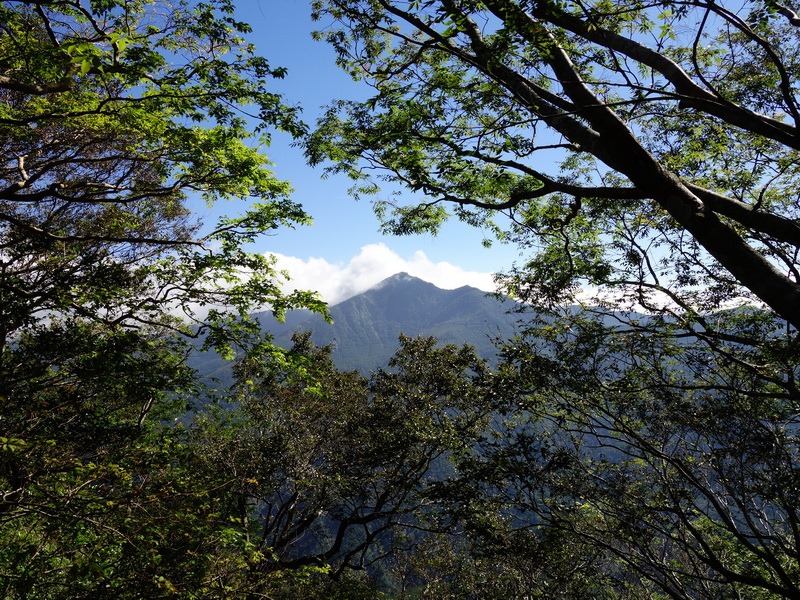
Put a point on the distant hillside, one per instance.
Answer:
(366, 327)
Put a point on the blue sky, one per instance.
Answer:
(343, 252)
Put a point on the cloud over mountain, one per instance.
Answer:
(375, 262)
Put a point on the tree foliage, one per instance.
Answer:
(645, 147)
(332, 470)
(638, 443)
(670, 460)
(643, 156)
(113, 116)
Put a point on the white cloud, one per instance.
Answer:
(375, 262)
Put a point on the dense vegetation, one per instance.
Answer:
(644, 155)
(112, 114)
(638, 440)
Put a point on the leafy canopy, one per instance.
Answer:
(643, 156)
(645, 148)
(113, 116)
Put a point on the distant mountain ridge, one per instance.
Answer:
(366, 327)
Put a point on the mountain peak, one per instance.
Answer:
(402, 289)
(366, 326)
(397, 278)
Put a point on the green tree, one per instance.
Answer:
(642, 147)
(644, 157)
(675, 462)
(113, 114)
(330, 470)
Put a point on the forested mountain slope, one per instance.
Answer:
(366, 327)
